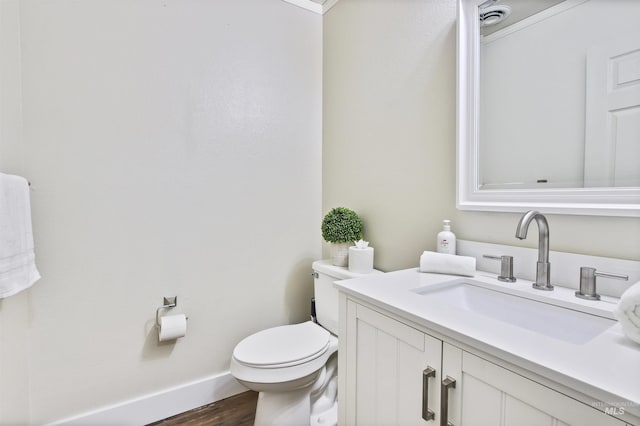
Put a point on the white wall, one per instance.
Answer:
(14, 379)
(174, 149)
(389, 129)
(389, 137)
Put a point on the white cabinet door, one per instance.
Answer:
(386, 361)
(383, 382)
(489, 395)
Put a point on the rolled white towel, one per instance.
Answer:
(628, 312)
(441, 263)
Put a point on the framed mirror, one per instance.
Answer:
(549, 106)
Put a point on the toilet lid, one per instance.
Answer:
(287, 345)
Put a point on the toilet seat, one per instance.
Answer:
(283, 346)
(281, 354)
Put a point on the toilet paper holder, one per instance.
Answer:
(167, 303)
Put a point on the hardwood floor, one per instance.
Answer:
(238, 410)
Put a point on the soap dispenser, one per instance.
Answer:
(446, 239)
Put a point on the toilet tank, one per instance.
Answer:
(326, 295)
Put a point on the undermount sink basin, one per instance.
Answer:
(518, 310)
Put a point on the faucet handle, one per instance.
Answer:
(588, 282)
(506, 267)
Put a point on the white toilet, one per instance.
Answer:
(295, 367)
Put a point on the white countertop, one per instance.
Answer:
(606, 368)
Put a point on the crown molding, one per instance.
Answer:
(318, 6)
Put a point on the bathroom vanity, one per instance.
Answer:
(419, 348)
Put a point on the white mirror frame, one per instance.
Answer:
(579, 201)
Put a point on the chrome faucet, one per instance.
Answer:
(542, 267)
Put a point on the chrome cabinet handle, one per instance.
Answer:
(426, 375)
(448, 383)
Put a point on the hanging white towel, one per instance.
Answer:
(17, 259)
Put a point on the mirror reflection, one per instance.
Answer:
(559, 103)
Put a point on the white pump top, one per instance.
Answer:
(446, 225)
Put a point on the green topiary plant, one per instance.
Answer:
(341, 225)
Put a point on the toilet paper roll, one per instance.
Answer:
(171, 327)
(361, 260)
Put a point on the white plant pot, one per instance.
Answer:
(339, 254)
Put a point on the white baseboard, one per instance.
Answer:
(160, 405)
